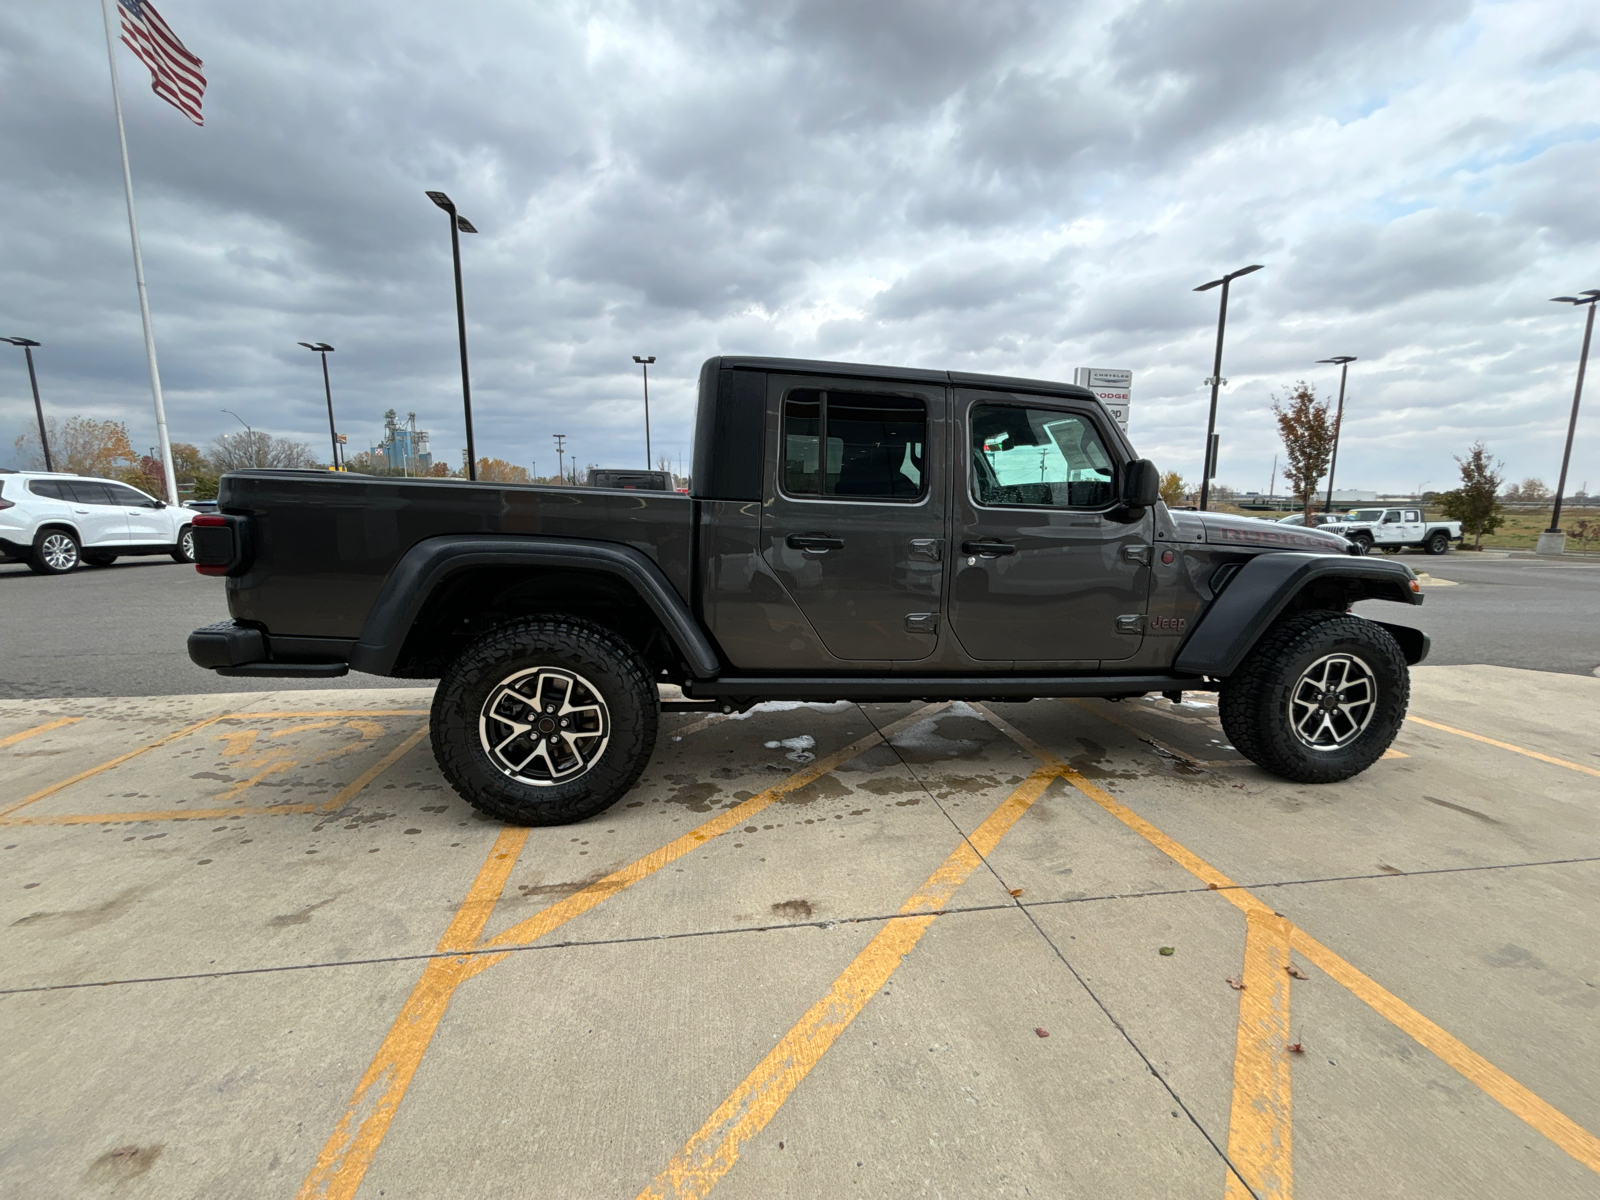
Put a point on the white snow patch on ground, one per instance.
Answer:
(799, 748)
(788, 705)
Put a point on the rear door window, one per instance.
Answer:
(1038, 458)
(50, 489)
(853, 445)
(87, 491)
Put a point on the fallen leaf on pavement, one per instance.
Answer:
(1295, 972)
(1236, 984)
(1042, 1032)
(1296, 1048)
(1015, 892)
(1167, 951)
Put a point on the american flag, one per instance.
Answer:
(174, 72)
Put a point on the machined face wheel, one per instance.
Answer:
(59, 551)
(544, 726)
(186, 545)
(1332, 702)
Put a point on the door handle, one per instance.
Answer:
(80, 510)
(813, 541)
(988, 549)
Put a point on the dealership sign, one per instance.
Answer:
(1115, 389)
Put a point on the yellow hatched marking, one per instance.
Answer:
(1489, 741)
(1517, 1099)
(329, 712)
(349, 1150)
(1259, 1126)
(14, 738)
(712, 1152)
(43, 793)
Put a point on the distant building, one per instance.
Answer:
(404, 447)
(1352, 496)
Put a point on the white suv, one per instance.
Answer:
(55, 522)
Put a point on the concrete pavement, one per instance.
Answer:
(254, 946)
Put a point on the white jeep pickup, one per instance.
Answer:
(1391, 528)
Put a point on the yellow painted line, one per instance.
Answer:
(276, 766)
(1489, 741)
(14, 738)
(1259, 1126)
(108, 764)
(712, 1152)
(344, 1160)
(1517, 1099)
(211, 814)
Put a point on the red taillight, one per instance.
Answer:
(210, 519)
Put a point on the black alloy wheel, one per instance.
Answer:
(1438, 542)
(1362, 542)
(1318, 699)
(545, 721)
(55, 552)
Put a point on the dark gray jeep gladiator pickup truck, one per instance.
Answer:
(852, 533)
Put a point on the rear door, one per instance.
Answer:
(853, 521)
(1048, 569)
(99, 517)
(1411, 525)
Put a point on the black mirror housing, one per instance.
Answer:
(1141, 484)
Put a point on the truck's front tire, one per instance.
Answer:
(1318, 699)
(545, 721)
(1362, 542)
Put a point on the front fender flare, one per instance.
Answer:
(431, 561)
(1264, 587)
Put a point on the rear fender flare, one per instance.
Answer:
(1265, 587)
(431, 561)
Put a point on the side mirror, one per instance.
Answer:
(1141, 484)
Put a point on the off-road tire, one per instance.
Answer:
(604, 662)
(1362, 542)
(55, 552)
(1437, 543)
(183, 548)
(1255, 707)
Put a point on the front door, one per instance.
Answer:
(148, 522)
(1048, 568)
(853, 521)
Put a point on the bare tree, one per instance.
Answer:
(1308, 433)
(235, 451)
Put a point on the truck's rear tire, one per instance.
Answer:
(1318, 699)
(545, 721)
(1437, 543)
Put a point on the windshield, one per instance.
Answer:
(1364, 514)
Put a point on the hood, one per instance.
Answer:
(1221, 528)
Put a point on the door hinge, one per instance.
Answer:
(922, 622)
(1133, 623)
(927, 548)
(1138, 554)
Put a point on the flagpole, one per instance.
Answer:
(138, 270)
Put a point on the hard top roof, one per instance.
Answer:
(1001, 383)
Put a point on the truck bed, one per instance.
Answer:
(348, 531)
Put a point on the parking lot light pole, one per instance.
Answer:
(458, 226)
(1344, 361)
(324, 349)
(1216, 374)
(250, 435)
(1551, 535)
(561, 451)
(27, 345)
(644, 365)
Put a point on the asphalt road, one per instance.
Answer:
(120, 631)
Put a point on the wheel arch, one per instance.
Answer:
(1274, 585)
(445, 591)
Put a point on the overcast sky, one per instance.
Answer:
(972, 184)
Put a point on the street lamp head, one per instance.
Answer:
(443, 201)
(464, 225)
(1337, 359)
(1231, 275)
(22, 341)
(320, 347)
(637, 359)
(1586, 297)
